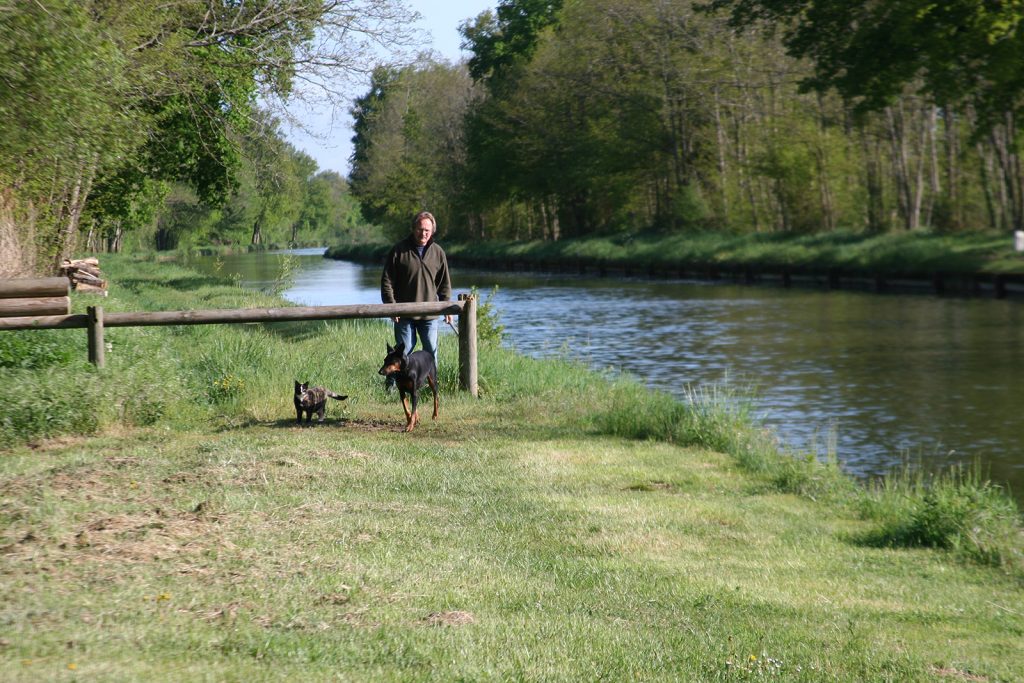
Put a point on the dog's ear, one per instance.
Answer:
(400, 348)
(297, 385)
(390, 350)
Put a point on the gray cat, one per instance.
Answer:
(312, 400)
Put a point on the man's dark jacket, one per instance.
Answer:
(407, 278)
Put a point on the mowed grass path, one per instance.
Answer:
(476, 548)
(201, 535)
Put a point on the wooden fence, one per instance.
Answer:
(32, 302)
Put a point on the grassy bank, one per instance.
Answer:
(165, 519)
(894, 253)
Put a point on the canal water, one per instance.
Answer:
(879, 380)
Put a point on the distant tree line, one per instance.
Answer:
(795, 116)
(152, 120)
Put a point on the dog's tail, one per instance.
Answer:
(334, 395)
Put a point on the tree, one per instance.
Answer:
(504, 41)
(143, 91)
(955, 50)
(60, 85)
(409, 148)
(328, 212)
(958, 54)
(604, 125)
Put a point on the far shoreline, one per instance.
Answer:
(973, 265)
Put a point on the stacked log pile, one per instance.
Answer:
(33, 297)
(85, 275)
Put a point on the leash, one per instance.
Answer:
(454, 329)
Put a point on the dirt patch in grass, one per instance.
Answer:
(226, 612)
(956, 674)
(71, 482)
(359, 619)
(137, 538)
(184, 478)
(650, 486)
(122, 539)
(57, 443)
(449, 618)
(377, 425)
(324, 454)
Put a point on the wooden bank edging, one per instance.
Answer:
(998, 285)
(938, 282)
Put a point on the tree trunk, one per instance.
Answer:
(115, 241)
(917, 197)
(985, 164)
(723, 185)
(828, 209)
(873, 182)
(746, 182)
(257, 230)
(952, 140)
(934, 185)
(901, 175)
(1004, 141)
(73, 213)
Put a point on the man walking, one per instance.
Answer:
(416, 270)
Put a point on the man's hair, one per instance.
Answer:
(420, 216)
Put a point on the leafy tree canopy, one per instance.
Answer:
(501, 42)
(953, 50)
(118, 100)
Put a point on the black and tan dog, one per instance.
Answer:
(311, 400)
(411, 372)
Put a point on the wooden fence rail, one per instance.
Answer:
(96, 319)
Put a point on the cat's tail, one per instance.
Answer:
(334, 395)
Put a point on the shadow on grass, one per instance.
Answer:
(337, 423)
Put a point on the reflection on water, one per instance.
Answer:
(888, 377)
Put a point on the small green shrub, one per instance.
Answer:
(31, 349)
(689, 208)
(226, 388)
(489, 329)
(145, 413)
(226, 358)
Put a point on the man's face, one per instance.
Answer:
(422, 232)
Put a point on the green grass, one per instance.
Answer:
(564, 526)
(917, 253)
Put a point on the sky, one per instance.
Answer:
(330, 145)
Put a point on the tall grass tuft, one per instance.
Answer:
(719, 418)
(707, 417)
(489, 329)
(957, 509)
(43, 403)
(284, 279)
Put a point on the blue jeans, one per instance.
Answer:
(407, 329)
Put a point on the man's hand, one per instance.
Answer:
(448, 320)
(395, 319)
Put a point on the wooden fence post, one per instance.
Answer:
(468, 378)
(95, 327)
